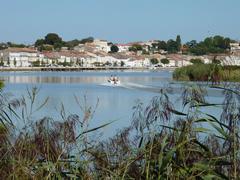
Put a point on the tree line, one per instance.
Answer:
(210, 45)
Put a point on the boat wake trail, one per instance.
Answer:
(134, 86)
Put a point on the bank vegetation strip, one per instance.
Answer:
(214, 73)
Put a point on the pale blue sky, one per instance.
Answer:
(24, 21)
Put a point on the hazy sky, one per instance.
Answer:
(118, 20)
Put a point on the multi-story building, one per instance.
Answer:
(101, 45)
(235, 48)
(19, 57)
(123, 47)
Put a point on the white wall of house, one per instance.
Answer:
(123, 48)
(137, 63)
(22, 59)
(102, 45)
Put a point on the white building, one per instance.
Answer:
(101, 45)
(123, 47)
(19, 57)
(235, 46)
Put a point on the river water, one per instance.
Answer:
(113, 102)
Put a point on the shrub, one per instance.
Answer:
(196, 61)
(154, 61)
(165, 61)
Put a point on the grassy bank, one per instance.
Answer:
(161, 142)
(207, 72)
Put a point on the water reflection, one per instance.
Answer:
(81, 77)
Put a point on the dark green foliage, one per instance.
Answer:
(214, 45)
(165, 61)
(55, 41)
(10, 44)
(52, 39)
(191, 44)
(14, 62)
(114, 49)
(179, 42)
(8, 62)
(36, 63)
(75, 42)
(1, 63)
(65, 63)
(108, 63)
(196, 61)
(45, 47)
(172, 46)
(3, 46)
(87, 40)
(39, 42)
(162, 45)
(154, 61)
(136, 47)
(122, 63)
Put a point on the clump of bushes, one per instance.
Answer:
(195, 72)
(207, 72)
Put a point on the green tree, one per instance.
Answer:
(87, 40)
(46, 48)
(196, 61)
(114, 49)
(15, 62)
(39, 42)
(172, 46)
(1, 62)
(53, 39)
(108, 63)
(122, 63)
(179, 42)
(3, 46)
(164, 61)
(36, 63)
(191, 44)
(8, 62)
(136, 47)
(162, 45)
(154, 61)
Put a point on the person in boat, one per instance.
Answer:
(111, 79)
(116, 78)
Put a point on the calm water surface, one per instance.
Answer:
(114, 103)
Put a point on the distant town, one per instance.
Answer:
(52, 51)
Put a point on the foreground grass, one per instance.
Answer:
(207, 72)
(148, 149)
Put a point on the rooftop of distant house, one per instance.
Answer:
(18, 50)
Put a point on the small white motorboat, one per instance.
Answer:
(114, 82)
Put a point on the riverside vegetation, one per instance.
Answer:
(214, 73)
(161, 142)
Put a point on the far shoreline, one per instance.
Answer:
(40, 69)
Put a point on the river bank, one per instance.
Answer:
(207, 72)
(79, 68)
